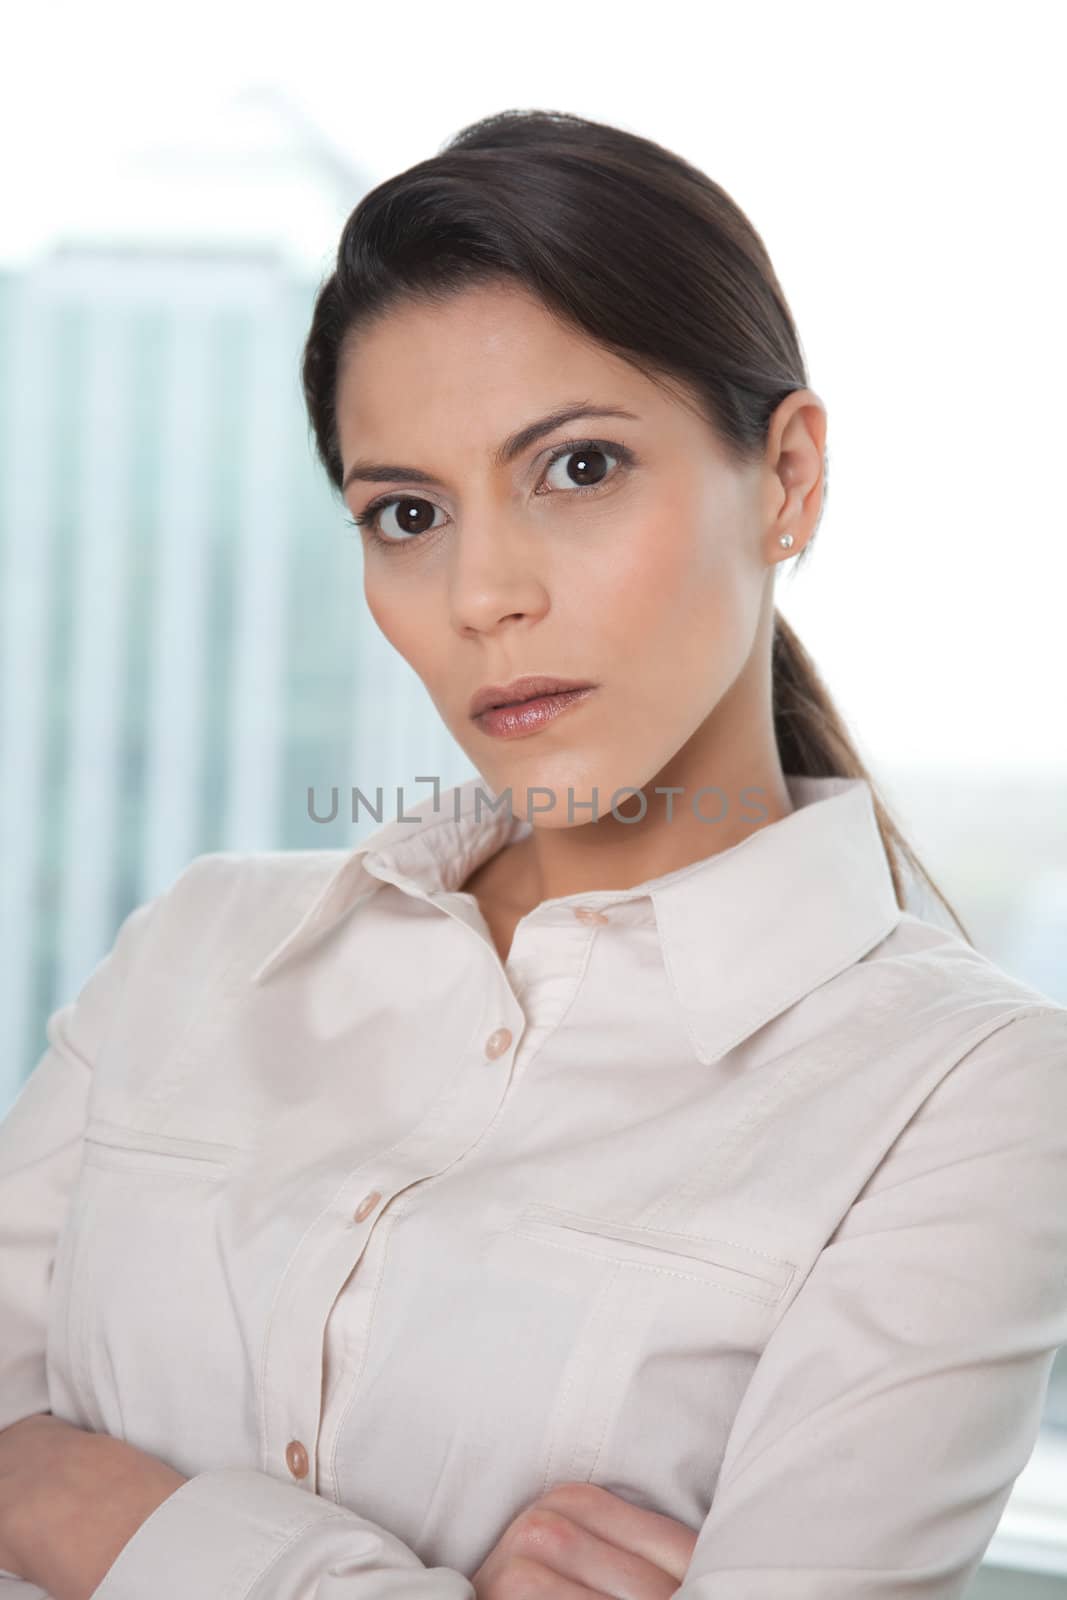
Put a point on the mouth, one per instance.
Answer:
(522, 691)
(517, 718)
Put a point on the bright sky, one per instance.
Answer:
(904, 165)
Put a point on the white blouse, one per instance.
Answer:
(741, 1193)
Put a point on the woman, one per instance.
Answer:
(598, 1180)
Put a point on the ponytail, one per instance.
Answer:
(814, 742)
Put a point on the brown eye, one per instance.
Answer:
(583, 467)
(414, 516)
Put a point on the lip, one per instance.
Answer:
(532, 686)
(528, 716)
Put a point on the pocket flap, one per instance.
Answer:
(737, 1267)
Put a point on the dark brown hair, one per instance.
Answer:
(635, 248)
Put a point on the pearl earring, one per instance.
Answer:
(786, 540)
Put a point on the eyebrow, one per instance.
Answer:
(512, 446)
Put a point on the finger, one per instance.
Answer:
(561, 1587)
(575, 1552)
(667, 1544)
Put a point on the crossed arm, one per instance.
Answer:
(70, 1500)
(872, 1452)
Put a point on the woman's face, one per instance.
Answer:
(648, 585)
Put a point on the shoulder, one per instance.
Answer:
(944, 1100)
(179, 952)
(926, 1027)
(931, 969)
(279, 880)
(953, 1009)
(227, 905)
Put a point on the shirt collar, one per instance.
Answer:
(746, 932)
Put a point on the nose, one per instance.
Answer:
(494, 578)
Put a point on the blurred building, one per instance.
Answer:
(186, 645)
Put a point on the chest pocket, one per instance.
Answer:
(733, 1267)
(138, 1311)
(665, 1327)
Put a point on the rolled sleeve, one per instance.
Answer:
(901, 1394)
(234, 1533)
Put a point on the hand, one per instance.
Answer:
(70, 1500)
(584, 1538)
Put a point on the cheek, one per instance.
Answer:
(377, 598)
(398, 612)
(675, 595)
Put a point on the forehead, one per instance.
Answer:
(493, 352)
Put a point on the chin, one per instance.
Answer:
(574, 793)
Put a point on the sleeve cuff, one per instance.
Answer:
(234, 1533)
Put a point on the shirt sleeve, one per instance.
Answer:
(234, 1533)
(40, 1153)
(901, 1394)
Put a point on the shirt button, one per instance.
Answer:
(587, 914)
(497, 1042)
(296, 1458)
(367, 1204)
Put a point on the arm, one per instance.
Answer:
(40, 1152)
(70, 1499)
(230, 1533)
(235, 1533)
(900, 1395)
(98, 1517)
